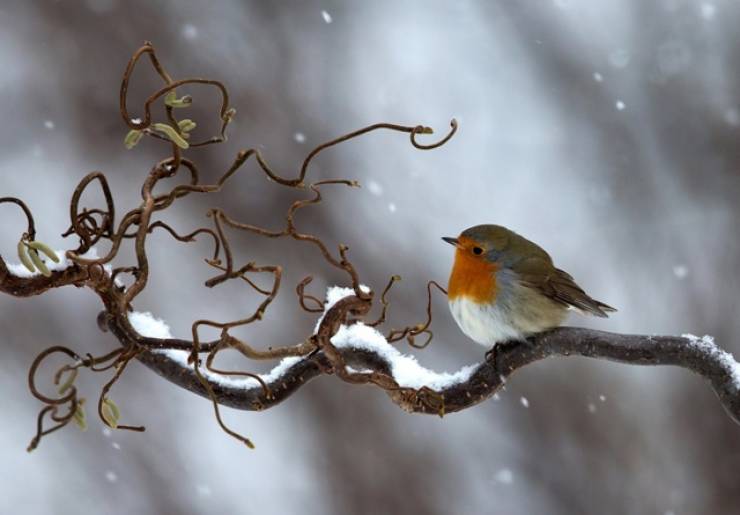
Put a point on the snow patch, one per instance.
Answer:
(336, 293)
(147, 325)
(181, 358)
(405, 369)
(706, 345)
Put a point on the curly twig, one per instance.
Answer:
(321, 353)
(31, 228)
(411, 332)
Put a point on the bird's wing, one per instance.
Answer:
(540, 274)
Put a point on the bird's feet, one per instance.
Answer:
(499, 347)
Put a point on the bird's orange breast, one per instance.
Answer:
(472, 277)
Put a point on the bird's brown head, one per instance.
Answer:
(473, 272)
(481, 242)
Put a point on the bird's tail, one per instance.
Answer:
(568, 292)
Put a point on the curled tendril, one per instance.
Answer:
(120, 365)
(384, 301)
(91, 225)
(426, 130)
(61, 421)
(209, 366)
(303, 297)
(411, 332)
(65, 398)
(83, 224)
(190, 237)
(225, 112)
(67, 390)
(31, 227)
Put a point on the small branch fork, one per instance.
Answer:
(318, 355)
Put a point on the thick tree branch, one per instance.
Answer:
(691, 353)
(488, 378)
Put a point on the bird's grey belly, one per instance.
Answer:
(517, 313)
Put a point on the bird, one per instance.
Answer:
(504, 288)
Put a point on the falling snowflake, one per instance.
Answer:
(732, 117)
(189, 32)
(375, 188)
(299, 137)
(619, 58)
(504, 476)
(326, 16)
(708, 11)
(681, 271)
(524, 402)
(619, 105)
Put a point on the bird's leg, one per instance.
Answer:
(492, 353)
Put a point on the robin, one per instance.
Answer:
(504, 287)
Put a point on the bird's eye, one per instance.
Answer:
(477, 251)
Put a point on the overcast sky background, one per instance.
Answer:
(604, 131)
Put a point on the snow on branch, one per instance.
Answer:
(355, 338)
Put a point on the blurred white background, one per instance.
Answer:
(605, 131)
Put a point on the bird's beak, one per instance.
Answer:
(451, 241)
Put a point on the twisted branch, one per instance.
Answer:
(488, 378)
(324, 352)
